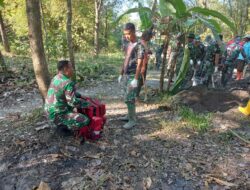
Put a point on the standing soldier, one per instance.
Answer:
(232, 52)
(145, 38)
(211, 60)
(198, 57)
(158, 54)
(130, 70)
(190, 72)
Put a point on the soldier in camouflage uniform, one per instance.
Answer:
(212, 51)
(62, 100)
(145, 39)
(198, 58)
(232, 52)
(190, 72)
(130, 71)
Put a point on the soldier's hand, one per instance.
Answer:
(134, 83)
(120, 79)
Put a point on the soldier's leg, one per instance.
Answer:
(140, 84)
(72, 120)
(130, 102)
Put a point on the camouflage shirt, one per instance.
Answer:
(138, 52)
(212, 49)
(62, 97)
(232, 52)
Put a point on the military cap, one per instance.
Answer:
(191, 35)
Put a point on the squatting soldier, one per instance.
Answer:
(62, 100)
(130, 72)
(211, 60)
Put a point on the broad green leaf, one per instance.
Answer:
(208, 12)
(133, 10)
(212, 25)
(166, 8)
(182, 73)
(190, 22)
(145, 17)
(179, 6)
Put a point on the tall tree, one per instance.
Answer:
(36, 45)
(69, 36)
(98, 6)
(4, 34)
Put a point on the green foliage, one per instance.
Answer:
(199, 122)
(142, 10)
(145, 17)
(216, 14)
(182, 73)
(166, 8)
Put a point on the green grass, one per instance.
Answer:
(199, 122)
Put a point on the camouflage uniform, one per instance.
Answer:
(61, 99)
(209, 62)
(190, 72)
(231, 54)
(129, 72)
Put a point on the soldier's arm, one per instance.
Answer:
(140, 57)
(138, 68)
(72, 96)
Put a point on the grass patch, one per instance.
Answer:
(199, 122)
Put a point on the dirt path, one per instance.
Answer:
(159, 153)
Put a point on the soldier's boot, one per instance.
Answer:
(245, 110)
(131, 117)
(124, 118)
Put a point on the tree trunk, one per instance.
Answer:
(36, 45)
(98, 4)
(2, 63)
(4, 35)
(173, 58)
(69, 36)
(106, 28)
(164, 62)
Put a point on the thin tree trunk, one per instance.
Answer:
(164, 62)
(36, 45)
(106, 28)
(4, 35)
(98, 4)
(2, 63)
(173, 58)
(69, 36)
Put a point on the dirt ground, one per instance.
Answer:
(157, 154)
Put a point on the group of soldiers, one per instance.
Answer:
(212, 62)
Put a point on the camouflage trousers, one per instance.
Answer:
(207, 71)
(227, 74)
(72, 120)
(141, 81)
(129, 92)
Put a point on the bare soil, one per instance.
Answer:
(159, 153)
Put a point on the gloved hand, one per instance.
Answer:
(120, 79)
(199, 62)
(134, 83)
(191, 62)
(216, 69)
